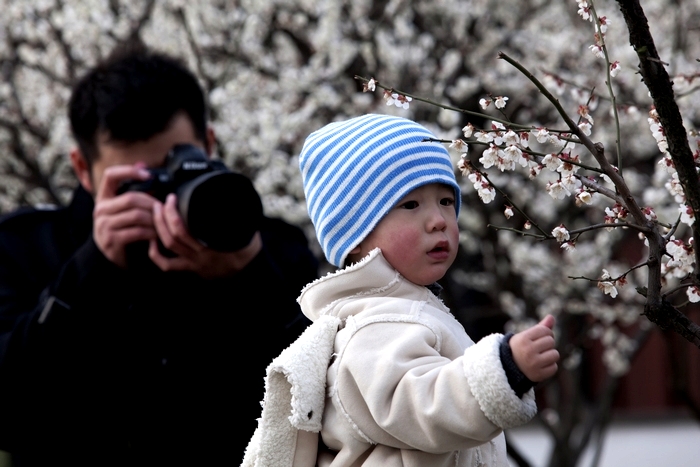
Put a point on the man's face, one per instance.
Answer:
(419, 236)
(151, 152)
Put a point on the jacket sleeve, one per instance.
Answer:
(398, 390)
(47, 308)
(31, 305)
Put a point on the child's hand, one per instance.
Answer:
(533, 350)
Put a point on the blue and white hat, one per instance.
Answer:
(356, 170)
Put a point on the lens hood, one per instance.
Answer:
(221, 209)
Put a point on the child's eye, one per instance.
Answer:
(409, 205)
(447, 201)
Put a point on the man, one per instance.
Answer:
(113, 352)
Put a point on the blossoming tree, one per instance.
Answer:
(578, 178)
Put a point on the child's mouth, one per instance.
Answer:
(440, 251)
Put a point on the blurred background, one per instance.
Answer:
(276, 70)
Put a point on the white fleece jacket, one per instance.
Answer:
(405, 386)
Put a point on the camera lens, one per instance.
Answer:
(221, 209)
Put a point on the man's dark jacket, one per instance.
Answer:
(103, 366)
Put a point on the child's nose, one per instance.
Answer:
(436, 221)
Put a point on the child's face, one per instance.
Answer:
(419, 236)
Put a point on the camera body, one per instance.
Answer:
(220, 208)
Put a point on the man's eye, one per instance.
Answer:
(410, 205)
(447, 201)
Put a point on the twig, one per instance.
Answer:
(600, 189)
(595, 149)
(675, 289)
(608, 79)
(521, 232)
(510, 201)
(528, 150)
(671, 232)
(608, 226)
(450, 107)
(612, 279)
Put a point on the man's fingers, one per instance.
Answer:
(166, 235)
(125, 202)
(139, 217)
(177, 225)
(130, 235)
(115, 175)
(177, 263)
(172, 218)
(174, 233)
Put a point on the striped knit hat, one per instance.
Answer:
(356, 170)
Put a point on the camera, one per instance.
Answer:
(220, 208)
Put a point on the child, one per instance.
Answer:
(400, 383)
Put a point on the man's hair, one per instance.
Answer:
(131, 96)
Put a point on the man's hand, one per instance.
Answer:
(120, 220)
(191, 254)
(533, 350)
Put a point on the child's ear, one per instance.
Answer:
(352, 257)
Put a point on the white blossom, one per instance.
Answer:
(597, 50)
(515, 154)
(560, 233)
(487, 193)
(649, 213)
(542, 135)
(616, 362)
(483, 136)
(693, 294)
(604, 23)
(551, 161)
(557, 190)
(570, 183)
(568, 246)
(459, 145)
(585, 128)
(500, 102)
(614, 68)
(398, 100)
(608, 288)
(675, 188)
(489, 157)
(525, 139)
(468, 130)
(687, 214)
(584, 197)
(682, 258)
(584, 11)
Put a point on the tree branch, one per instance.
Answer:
(660, 87)
(596, 149)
